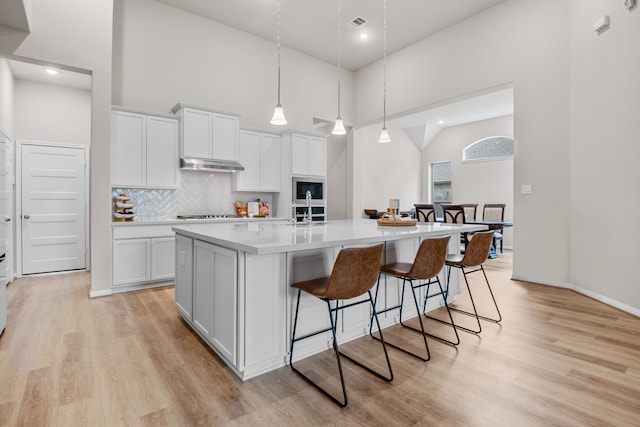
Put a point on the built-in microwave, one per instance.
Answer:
(316, 186)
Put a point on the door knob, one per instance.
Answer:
(26, 216)
(7, 220)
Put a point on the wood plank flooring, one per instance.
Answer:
(558, 358)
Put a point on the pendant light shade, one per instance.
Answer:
(338, 127)
(384, 134)
(278, 113)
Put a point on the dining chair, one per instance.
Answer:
(425, 213)
(453, 214)
(354, 273)
(470, 210)
(495, 212)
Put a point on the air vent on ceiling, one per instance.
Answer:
(358, 22)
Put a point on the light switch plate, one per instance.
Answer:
(525, 189)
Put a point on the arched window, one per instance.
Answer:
(489, 148)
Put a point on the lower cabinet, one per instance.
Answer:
(184, 276)
(215, 293)
(139, 259)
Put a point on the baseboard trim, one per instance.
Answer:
(601, 298)
(97, 294)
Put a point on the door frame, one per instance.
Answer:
(18, 200)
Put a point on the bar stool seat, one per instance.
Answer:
(354, 273)
(424, 270)
(475, 255)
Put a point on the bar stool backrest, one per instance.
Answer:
(425, 213)
(430, 258)
(354, 272)
(478, 248)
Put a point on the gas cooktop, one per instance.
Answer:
(208, 216)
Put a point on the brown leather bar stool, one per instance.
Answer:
(354, 273)
(474, 256)
(424, 271)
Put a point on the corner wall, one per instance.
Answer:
(605, 149)
(504, 44)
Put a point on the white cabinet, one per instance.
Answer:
(207, 133)
(308, 155)
(142, 255)
(215, 296)
(131, 261)
(259, 153)
(184, 276)
(144, 149)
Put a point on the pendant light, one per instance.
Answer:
(384, 134)
(278, 113)
(338, 128)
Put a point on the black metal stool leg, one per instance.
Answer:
(451, 323)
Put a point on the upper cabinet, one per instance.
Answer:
(144, 149)
(207, 133)
(308, 155)
(259, 153)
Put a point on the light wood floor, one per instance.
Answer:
(558, 358)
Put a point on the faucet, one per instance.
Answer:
(308, 205)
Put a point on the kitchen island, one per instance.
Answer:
(232, 283)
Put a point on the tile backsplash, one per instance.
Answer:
(198, 193)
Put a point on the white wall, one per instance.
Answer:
(521, 42)
(385, 171)
(6, 97)
(78, 34)
(51, 113)
(605, 148)
(163, 55)
(479, 181)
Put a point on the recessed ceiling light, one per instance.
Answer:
(440, 122)
(51, 71)
(364, 36)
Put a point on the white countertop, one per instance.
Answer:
(277, 237)
(176, 221)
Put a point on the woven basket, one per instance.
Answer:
(391, 221)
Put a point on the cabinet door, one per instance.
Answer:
(203, 288)
(225, 291)
(249, 157)
(131, 261)
(162, 152)
(317, 156)
(225, 137)
(299, 154)
(128, 149)
(270, 163)
(215, 296)
(196, 134)
(184, 276)
(163, 258)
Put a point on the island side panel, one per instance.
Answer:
(264, 345)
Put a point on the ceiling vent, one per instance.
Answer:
(357, 23)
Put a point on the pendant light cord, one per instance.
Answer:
(339, 50)
(278, 40)
(384, 67)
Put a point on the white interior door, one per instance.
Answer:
(52, 208)
(6, 208)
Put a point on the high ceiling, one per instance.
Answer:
(311, 26)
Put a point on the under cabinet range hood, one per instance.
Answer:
(209, 165)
